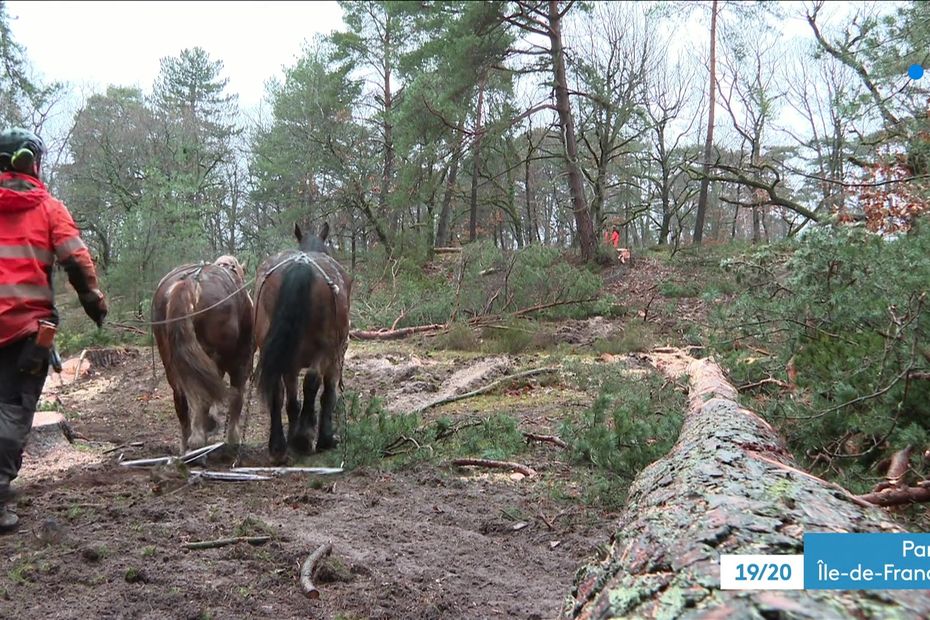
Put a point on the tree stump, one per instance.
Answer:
(49, 451)
(728, 486)
(49, 432)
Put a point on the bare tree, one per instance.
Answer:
(709, 143)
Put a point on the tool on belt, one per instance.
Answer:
(39, 350)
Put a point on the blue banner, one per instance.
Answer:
(866, 561)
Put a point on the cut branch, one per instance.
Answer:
(517, 467)
(392, 334)
(223, 542)
(553, 439)
(308, 569)
(554, 304)
(897, 497)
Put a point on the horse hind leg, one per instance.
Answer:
(292, 405)
(181, 408)
(326, 439)
(233, 417)
(277, 444)
(199, 425)
(302, 438)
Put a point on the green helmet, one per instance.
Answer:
(20, 150)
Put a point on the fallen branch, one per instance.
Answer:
(553, 304)
(223, 542)
(128, 328)
(556, 441)
(485, 389)
(760, 383)
(392, 334)
(309, 568)
(134, 444)
(517, 467)
(898, 496)
(454, 250)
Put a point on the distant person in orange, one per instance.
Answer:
(615, 238)
(35, 229)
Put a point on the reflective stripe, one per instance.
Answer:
(67, 247)
(25, 291)
(27, 251)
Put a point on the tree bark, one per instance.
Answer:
(728, 486)
(709, 144)
(387, 173)
(443, 237)
(583, 224)
(476, 166)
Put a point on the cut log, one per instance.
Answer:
(728, 486)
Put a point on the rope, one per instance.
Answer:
(211, 307)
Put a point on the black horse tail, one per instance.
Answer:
(288, 323)
(194, 371)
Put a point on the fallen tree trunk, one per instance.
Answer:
(728, 486)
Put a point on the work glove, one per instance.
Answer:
(95, 306)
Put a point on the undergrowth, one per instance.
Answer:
(830, 341)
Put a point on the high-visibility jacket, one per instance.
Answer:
(35, 229)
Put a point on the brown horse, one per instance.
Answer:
(301, 321)
(202, 319)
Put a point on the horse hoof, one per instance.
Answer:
(326, 444)
(300, 444)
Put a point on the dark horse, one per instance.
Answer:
(301, 321)
(203, 327)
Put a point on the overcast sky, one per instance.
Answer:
(93, 44)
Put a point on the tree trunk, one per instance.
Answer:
(443, 237)
(476, 165)
(583, 224)
(387, 173)
(709, 144)
(728, 486)
(532, 222)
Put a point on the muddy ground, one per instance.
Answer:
(99, 540)
(104, 541)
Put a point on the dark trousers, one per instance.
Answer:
(19, 395)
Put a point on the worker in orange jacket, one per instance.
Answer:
(35, 229)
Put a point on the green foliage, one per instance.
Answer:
(371, 429)
(517, 336)
(847, 308)
(672, 289)
(482, 281)
(460, 337)
(496, 437)
(635, 336)
(634, 420)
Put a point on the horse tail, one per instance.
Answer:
(196, 374)
(290, 317)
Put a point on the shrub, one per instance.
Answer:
(847, 308)
(633, 421)
(460, 337)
